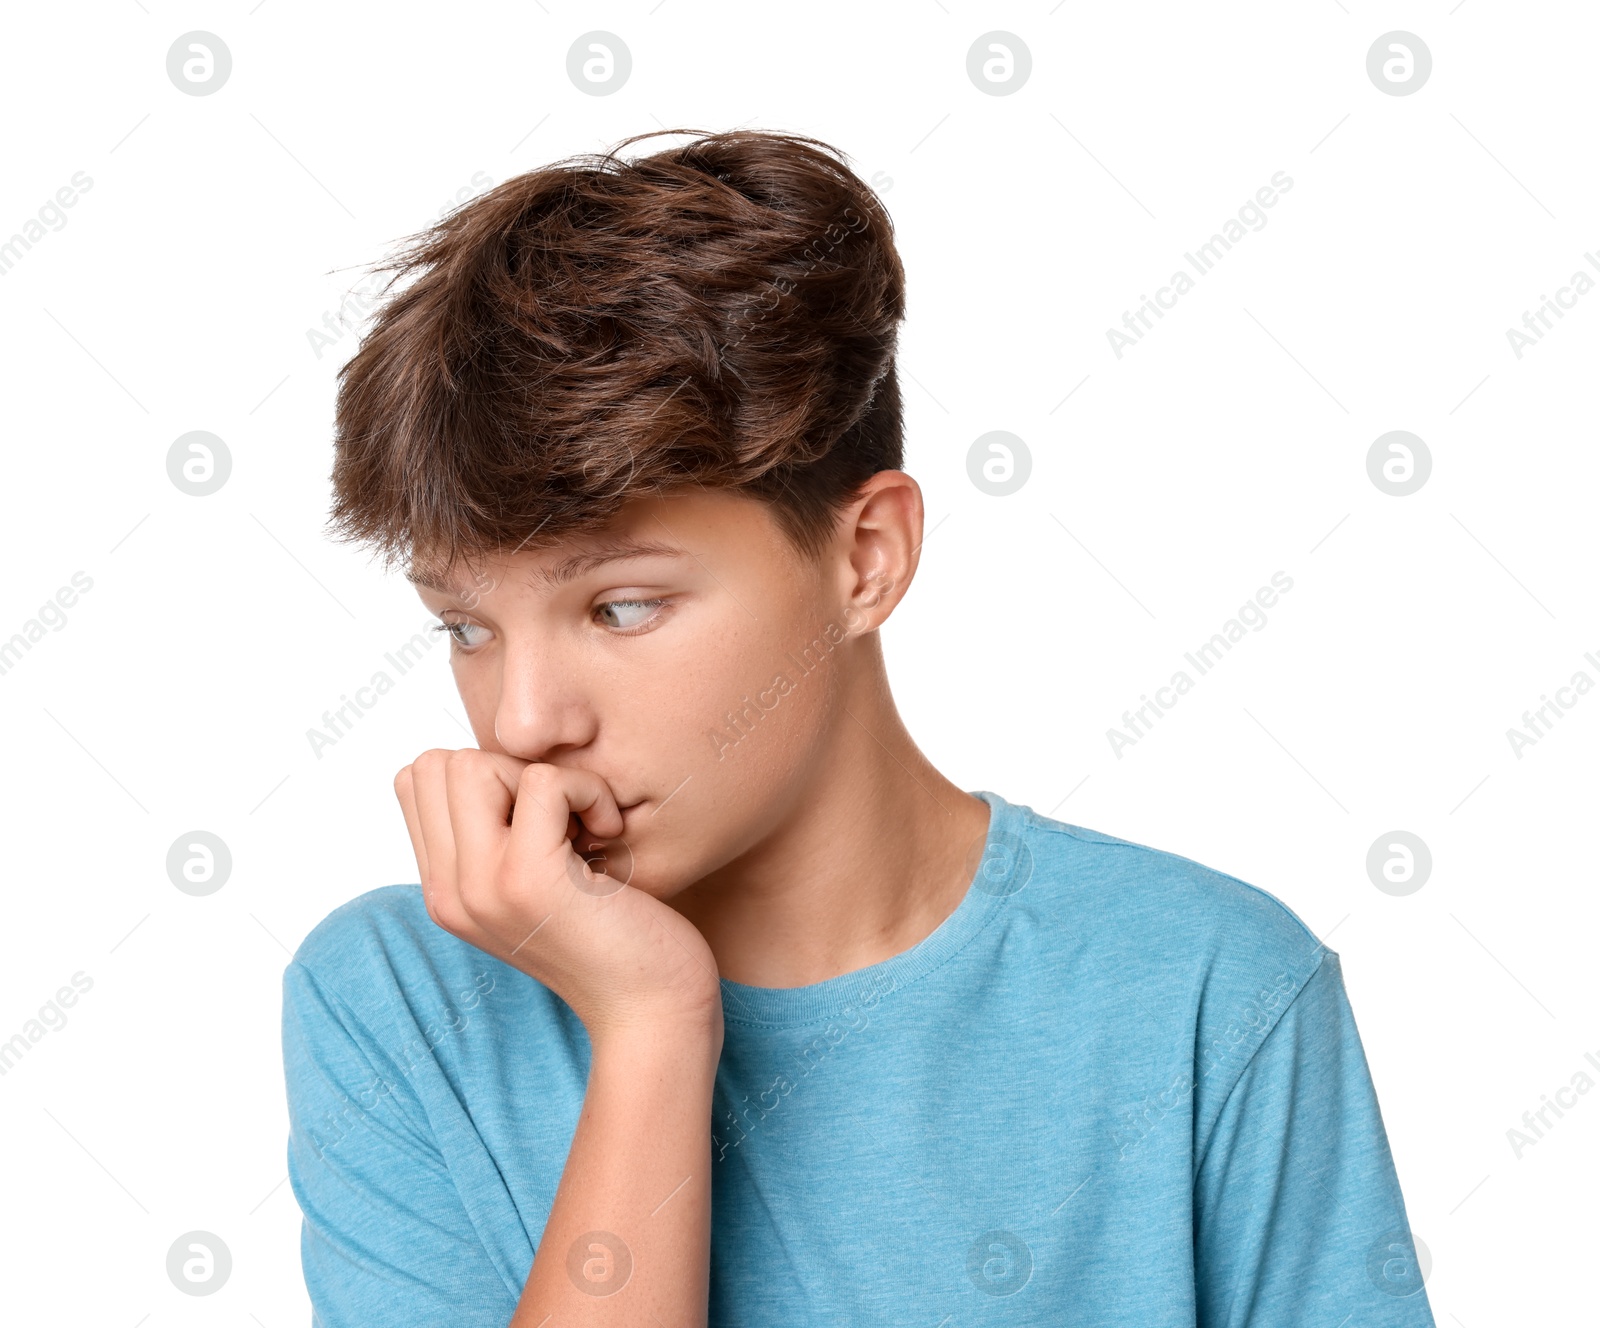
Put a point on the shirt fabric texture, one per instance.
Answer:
(1114, 1087)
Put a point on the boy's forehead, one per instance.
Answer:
(646, 527)
(549, 566)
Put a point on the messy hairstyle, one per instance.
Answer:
(722, 313)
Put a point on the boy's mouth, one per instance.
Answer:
(588, 836)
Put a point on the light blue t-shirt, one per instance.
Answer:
(1114, 1087)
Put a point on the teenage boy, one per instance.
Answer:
(717, 1003)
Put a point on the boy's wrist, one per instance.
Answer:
(674, 1037)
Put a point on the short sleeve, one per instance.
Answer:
(1298, 1216)
(385, 1237)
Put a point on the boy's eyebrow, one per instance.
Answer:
(575, 565)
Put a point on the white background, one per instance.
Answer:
(1229, 444)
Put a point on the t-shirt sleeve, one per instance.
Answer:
(385, 1237)
(1298, 1217)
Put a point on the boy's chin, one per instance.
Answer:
(654, 883)
(618, 860)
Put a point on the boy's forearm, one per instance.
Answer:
(628, 1239)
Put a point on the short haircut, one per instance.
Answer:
(723, 313)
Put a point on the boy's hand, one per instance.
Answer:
(493, 838)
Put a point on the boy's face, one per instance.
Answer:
(679, 675)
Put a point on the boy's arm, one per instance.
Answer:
(385, 1238)
(1298, 1214)
(628, 1239)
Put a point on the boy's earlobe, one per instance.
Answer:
(882, 583)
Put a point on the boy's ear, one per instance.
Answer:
(880, 542)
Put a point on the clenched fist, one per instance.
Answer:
(494, 838)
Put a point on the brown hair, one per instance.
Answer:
(722, 313)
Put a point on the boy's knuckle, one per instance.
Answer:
(440, 903)
(453, 919)
(536, 777)
(476, 897)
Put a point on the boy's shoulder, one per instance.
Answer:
(1147, 906)
(387, 913)
(380, 941)
(1210, 962)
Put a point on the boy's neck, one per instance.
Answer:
(875, 850)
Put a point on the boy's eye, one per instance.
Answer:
(625, 616)
(454, 629)
(627, 612)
